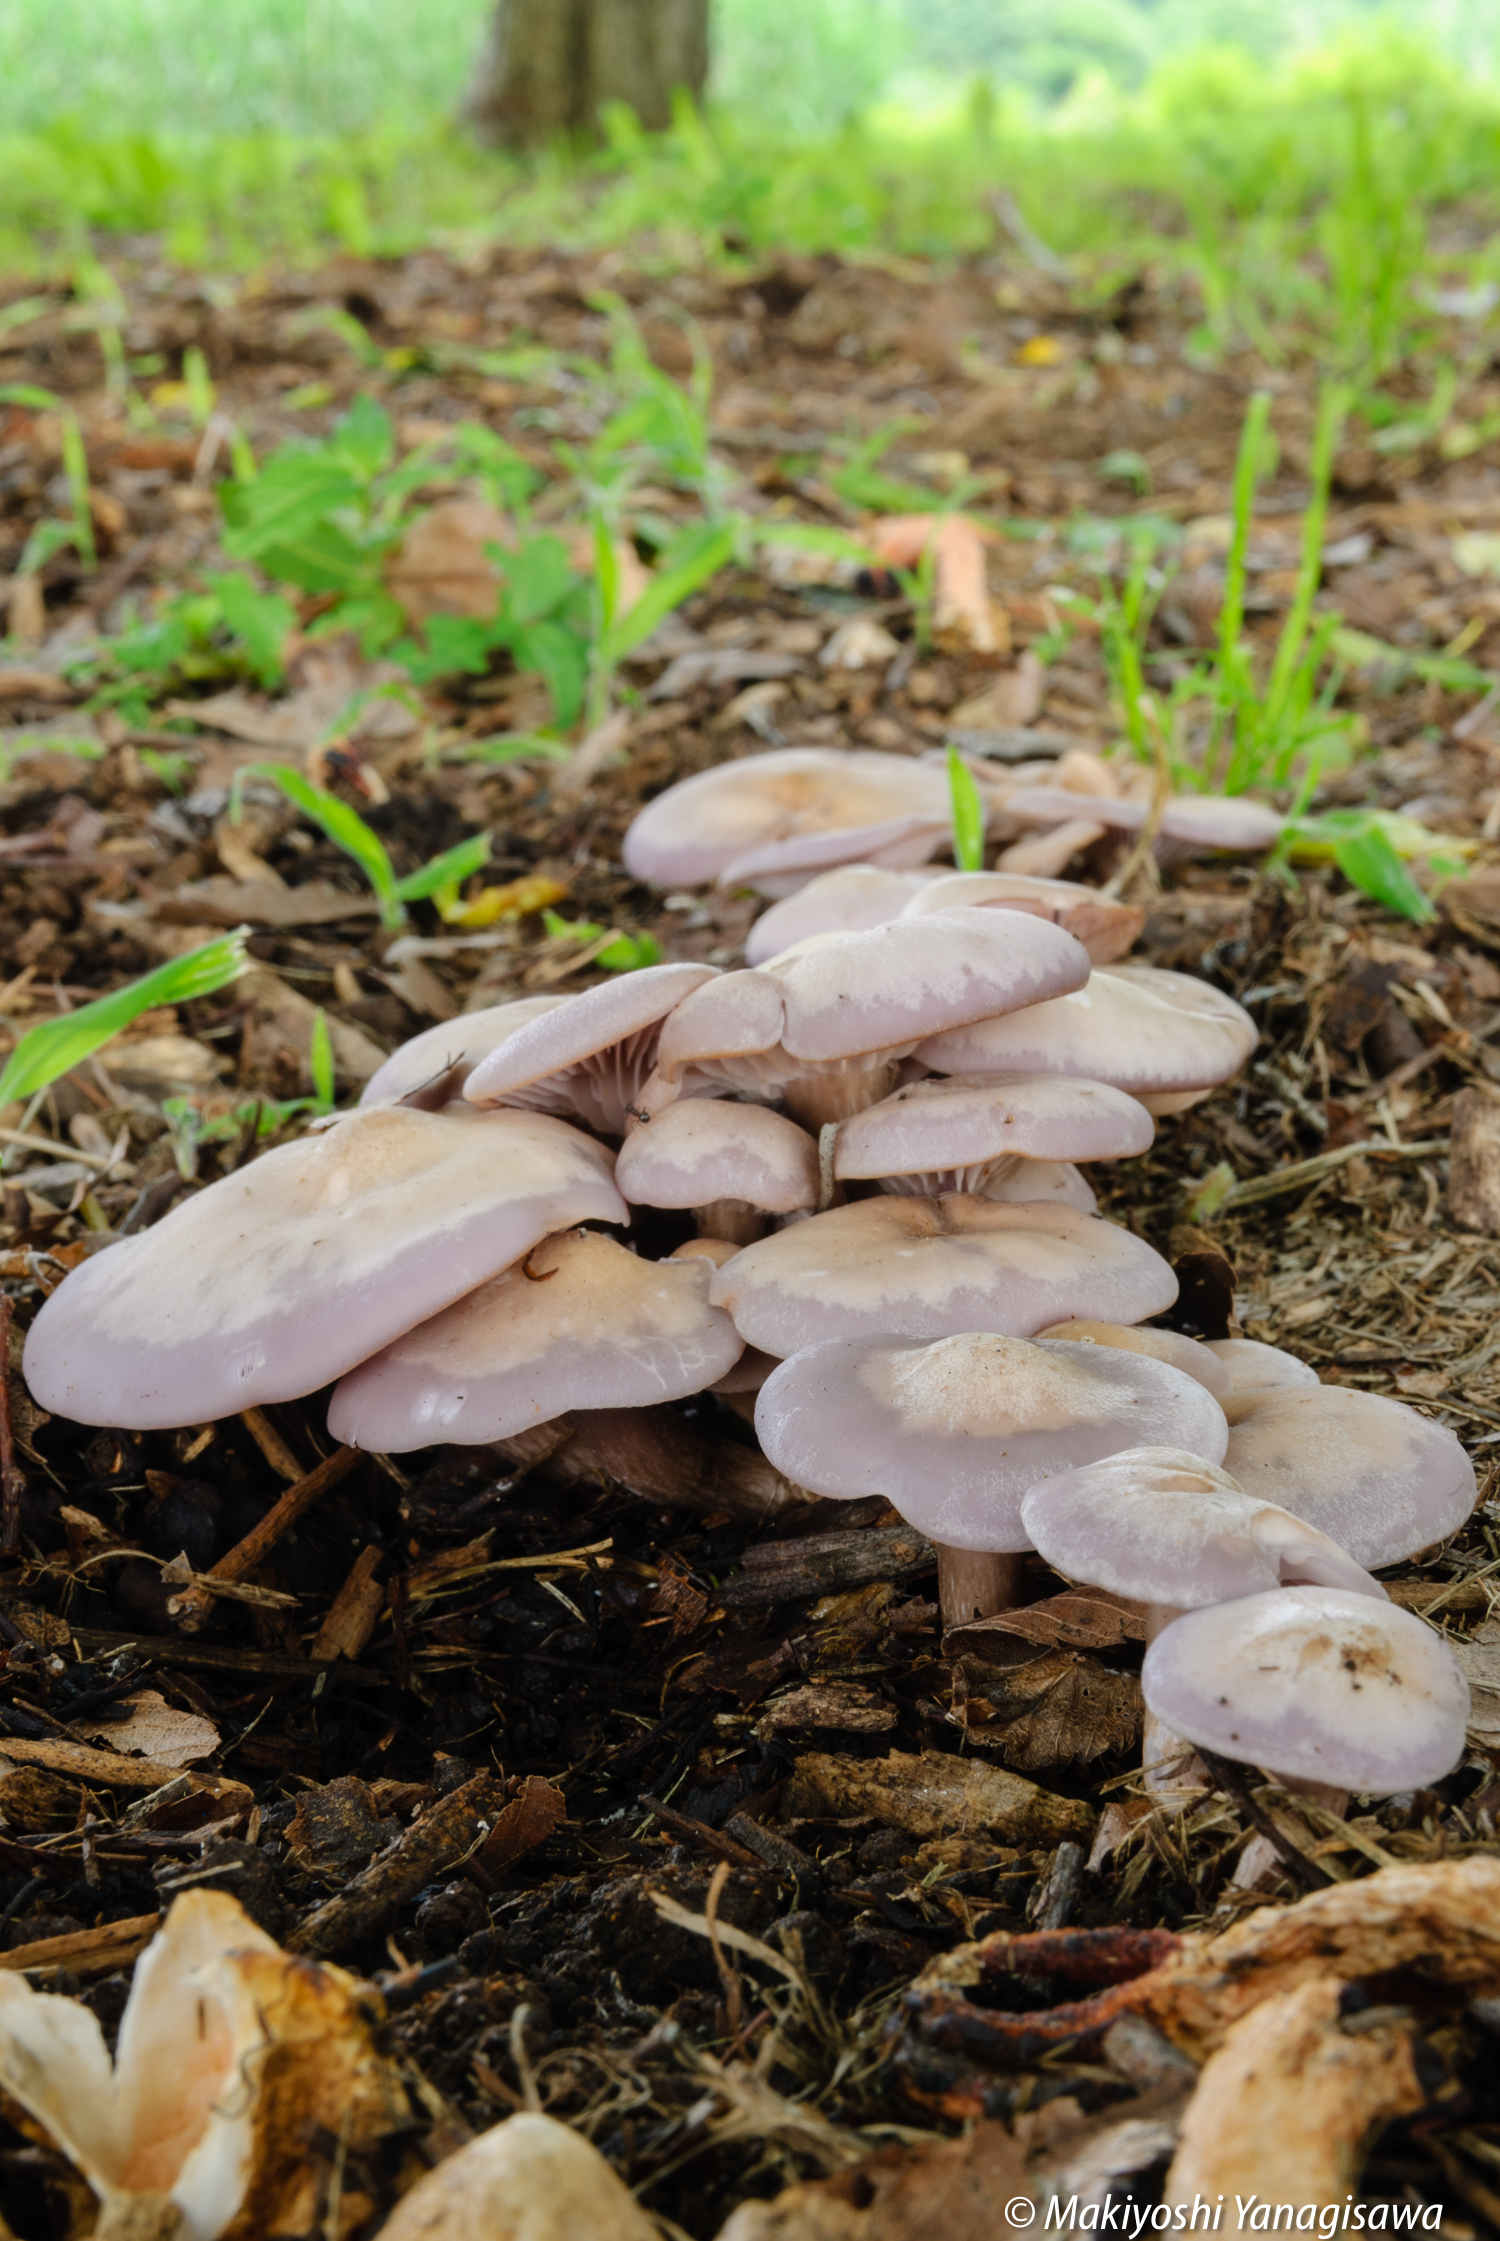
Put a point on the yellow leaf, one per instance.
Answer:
(1040, 350)
(518, 898)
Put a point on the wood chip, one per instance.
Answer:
(97, 1952)
(355, 1610)
(1474, 1162)
(933, 1794)
(432, 1846)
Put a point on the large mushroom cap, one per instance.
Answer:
(1254, 1367)
(1216, 821)
(283, 1276)
(698, 828)
(590, 1057)
(1140, 1028)
(844, 901)
(431, 1069)
(1315, 1683)
(929, 1267)
(580, 1323)
(1186, 1354)
(704, 1149)
(1105, 927)
(954, 1433)
(959, 1126)
(1164, 1526)
(1374, 1475)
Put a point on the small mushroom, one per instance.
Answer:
(962, 1133)
(708, 826)
(1185, 1354)
(955, 1433)
(732, 1164)
(1189, 823)
(929, 1267)
(1255, 1367)
(579, 1323)
(1165, 1037)
(1105, 927)
(1313, 1683)
(1380, 1479)
(822, 1029)
(281, 1277)
(430, 1071)
(1045, 1182)
(848, 900)
(589, 1058)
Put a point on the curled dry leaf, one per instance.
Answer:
(1092, 1619)
(442, 567)
(528, 2179)
(159, 1730)
(1051, 1708)
(524, 1822)
(931, 1794)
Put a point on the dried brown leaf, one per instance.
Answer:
(526, 1821)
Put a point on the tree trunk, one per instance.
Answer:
(549, 66)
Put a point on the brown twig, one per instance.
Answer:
(196, 1603)
(1230, 1778)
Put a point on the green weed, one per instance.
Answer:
(344, 826)
(45, 1053)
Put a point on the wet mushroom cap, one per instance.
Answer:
(1105, 927)
(1377, 1477)
(590, 1056)
(431, 1069)
(705, 1149)
(847, 900)
(955, 1432)
(928, 1267)
(1140, 1028)
(955, 1124)
(287, 1273)
(691, 833)
(1185, 1354)
(581, 1322)
(1164, 1526)
(1255, 1367)
(1315, 1683)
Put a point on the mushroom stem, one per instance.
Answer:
(815, 1099)
(1172, 1771)
(733, 1219)
(973, 1584)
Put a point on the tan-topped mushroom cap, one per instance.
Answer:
(1185, 1354)
(929, 1267)
(705, 1149)
(580, 1323)
(1105, 927)
(1139, 1028)
(286, 1274)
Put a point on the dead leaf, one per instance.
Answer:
(1095, 1619)
(442, 567)
(677, 1601)
(1478, 1655)
(1013, 701)
(1053, 1708)
(958, 2188)
(32, 684)
(43, 1629)
(336, 1831)
(161, 1064)
(327, 681)
(159, 1730)
(526, 1821)
(835, 1704)
(933, 1795)
(32, 1800)
(236, 902)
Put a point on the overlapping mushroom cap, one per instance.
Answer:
(289, 1272)
(1315, 1683)
(590, 1057)
(1165, 1526)
(1050, 1182)
(1192, 821)
(955, 1132)
(580, 1323)
(931, 1267)
(1185, 1354)
(1150, 1032)
(703, 1149)
(1380, 1479)
(954, 1433)
(847, 900)
(1105, 926)
(1254, 1367)
(430, 1070)
(776, 820)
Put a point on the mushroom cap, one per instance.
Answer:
(580, 1323)
(1197, 820)
(1380, 1479)
(1043, 1182)
(955, 1123)
(590, 1056)
(847, 900)
(954, 1433)
(1185, 1354)
(1255, 1367)
(782, 867)
(430, 1070)
(699, 827)
(1164, 1526)
(286, 1274)
(703, 1148)
(849, 995)
(1105, 927)
(927, 1267)
(1133, 1025)
(1315, 1683)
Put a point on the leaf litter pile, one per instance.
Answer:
(623, 1801)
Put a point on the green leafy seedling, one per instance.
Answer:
(347, 830)
(968, 814)
(627, 953)
(320, 1063)
(45, 1053)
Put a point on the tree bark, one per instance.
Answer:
(549, 66)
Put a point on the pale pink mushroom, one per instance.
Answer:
(589, 1058)
(732, 1164)
(962, 1133)
(1378, 1477)
(1046, 1182)
(430, 1070)
(955, 1432)
(1165, 1037)
(1255, 1367)
(287, 1273)
(1105, 927)
(1190, 822)
(844, 901)
(705, 826)
(580, 1323)
(930, 1267)
(1185, 1354)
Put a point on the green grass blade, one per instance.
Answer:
(44, 1054)
(451, 869)
(686, 567)
(320, 1061)
(968, 814)
(1333, 411)
(341, 824)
